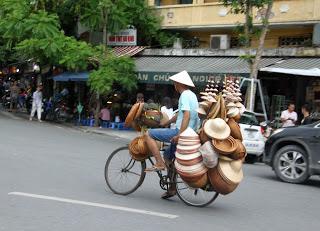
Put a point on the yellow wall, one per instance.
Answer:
(272, 39)
(202, 14)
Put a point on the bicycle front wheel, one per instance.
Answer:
(123, 174)
(194, 196)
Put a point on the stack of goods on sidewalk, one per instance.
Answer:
(189, 162)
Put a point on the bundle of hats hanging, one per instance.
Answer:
(144, 115)
(189, 162)
(221, 106)
(138, 149)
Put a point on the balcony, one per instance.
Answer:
(212, 14)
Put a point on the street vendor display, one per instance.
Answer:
(211, 158)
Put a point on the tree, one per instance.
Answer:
(246, 7)
(112, 70)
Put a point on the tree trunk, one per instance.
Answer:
(256, 62)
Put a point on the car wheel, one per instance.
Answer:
(291, 164)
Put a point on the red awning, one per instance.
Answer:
(127, 50)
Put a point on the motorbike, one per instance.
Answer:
(6, 99)
(56, 111)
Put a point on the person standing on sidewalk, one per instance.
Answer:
(289, 117)
(306, 111)
(14, 93)
(36, 103)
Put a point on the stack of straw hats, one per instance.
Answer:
(223, 131)
(189, 162)
(138, 149)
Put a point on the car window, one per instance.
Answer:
(249, 118)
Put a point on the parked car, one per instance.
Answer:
(293, 153)
(253, 139)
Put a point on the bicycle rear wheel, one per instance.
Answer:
(123, 174)
(196, 197)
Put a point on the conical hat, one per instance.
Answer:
(182, 77)
(189, 132)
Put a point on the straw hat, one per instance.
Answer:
(187, 148)
(182, 77)
(217, 128)
(235, 129)
(201, 111)
(225, 147)
(139, 111)
(189, 132)
(131, 115)
(231, 170)
(232, 112)
(240, 152)
(230, 105)
(200, 183)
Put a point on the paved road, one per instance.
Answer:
(44, 159)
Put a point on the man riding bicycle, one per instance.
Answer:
(187, 116)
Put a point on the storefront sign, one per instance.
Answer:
(197, 78)
(126, 37)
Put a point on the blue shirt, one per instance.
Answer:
(188, 102)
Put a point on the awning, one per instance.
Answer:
(296, 66)
(72, 76)
(151, 69)
(127, 50)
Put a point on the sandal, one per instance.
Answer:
(168, 194)
(155, 168)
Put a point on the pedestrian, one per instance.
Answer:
(140, 98)
(36, 103)
(306, 111)
(187, 116)
(22, 99)
(289, 117)
(104, 116)
(14, 93)
(168, 109)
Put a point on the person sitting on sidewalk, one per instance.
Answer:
(187, 116)
(104, 115)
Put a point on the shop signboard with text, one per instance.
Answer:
(197, 78)
(126, 37)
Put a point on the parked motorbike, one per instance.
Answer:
(56, 111)
(6, 99)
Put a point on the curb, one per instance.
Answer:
(24, 116)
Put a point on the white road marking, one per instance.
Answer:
(114, 207)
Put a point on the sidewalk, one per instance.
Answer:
(124, 134)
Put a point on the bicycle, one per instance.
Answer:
(135, 170)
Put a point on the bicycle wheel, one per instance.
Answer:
(123, 174)
(194, 196)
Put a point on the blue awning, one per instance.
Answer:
(72, 76)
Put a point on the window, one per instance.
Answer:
(296, 41)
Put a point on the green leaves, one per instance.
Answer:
(113, 70)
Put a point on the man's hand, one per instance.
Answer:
(163, 124)
(175, 139)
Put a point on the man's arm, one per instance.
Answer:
(184, 125)
(172, 120)
(283, 118)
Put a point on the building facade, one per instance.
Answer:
(208, 36)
